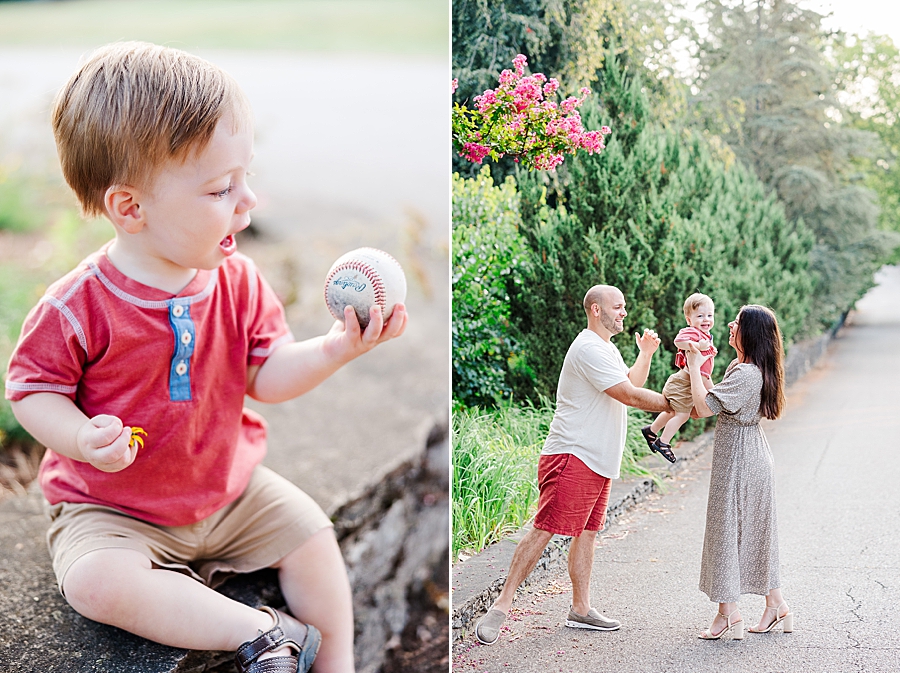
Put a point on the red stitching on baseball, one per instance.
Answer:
(368, 271)
(386, 254)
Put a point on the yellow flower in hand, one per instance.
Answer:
(136, 441)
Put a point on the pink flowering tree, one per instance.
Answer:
(521, 118)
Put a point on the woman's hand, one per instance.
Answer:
(694, 357)
(695, 360)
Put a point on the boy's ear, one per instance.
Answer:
(123, 208)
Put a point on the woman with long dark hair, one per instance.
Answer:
(740, 547)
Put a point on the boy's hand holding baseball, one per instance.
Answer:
(106, 444)
(346, 341)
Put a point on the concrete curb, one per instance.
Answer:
(476, 582)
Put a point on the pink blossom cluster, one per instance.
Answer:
(475, 152)
(520, 119)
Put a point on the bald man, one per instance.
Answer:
(582, 454)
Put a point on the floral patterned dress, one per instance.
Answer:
(740, 547)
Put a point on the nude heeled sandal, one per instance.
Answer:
(737, 626)
(786, 621)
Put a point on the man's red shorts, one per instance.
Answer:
(573, 496)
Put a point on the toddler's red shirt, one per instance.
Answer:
(175, 366)
(695, 334)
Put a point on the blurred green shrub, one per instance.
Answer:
(489, 259)
(16, 214)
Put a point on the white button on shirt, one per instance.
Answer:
(178, 311)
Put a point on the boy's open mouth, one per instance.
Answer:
(228, 244)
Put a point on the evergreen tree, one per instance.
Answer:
(766, 87)
(565, 39)
(869, 73)
(659, 216)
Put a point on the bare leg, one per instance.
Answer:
(775, 609)
(120, 587)
(315, 585)
(720, 623)
(673, 425)
(581, 561)
(661, 421)
(528, 553)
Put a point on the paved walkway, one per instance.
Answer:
(838, 488)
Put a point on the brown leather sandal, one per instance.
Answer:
(663, 449)
(649, 436)
(304, 639)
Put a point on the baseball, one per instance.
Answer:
(363, 278)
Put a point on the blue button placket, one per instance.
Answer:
(180, 369)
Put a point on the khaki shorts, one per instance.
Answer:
(678, 391)
(268, 521)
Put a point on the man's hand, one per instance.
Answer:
(106, 444)
(647, 342)
(346, 340)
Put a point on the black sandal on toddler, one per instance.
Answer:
(303, 639)
(649, 435)
(663, 449)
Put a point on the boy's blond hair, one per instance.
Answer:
(692, 302)
(131, 107)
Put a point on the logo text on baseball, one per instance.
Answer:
(346, 281)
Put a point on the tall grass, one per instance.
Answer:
(495, 454)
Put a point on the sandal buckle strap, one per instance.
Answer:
(276, 665)
(268, 641)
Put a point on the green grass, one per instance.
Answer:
(494, 483)
(356, 26)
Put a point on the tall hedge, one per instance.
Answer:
(489, 258)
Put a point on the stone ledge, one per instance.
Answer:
(386, 535)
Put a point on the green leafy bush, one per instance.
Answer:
(489, 258)
(15, 213)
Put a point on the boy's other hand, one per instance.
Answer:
(346, 340)
(105, 443)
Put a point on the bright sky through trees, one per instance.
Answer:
(860, 16)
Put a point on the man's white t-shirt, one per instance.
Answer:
(588, 423)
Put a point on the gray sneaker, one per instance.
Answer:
(592, 620)
(488, 629)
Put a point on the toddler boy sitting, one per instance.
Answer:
(132, 370)
(699, 311)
